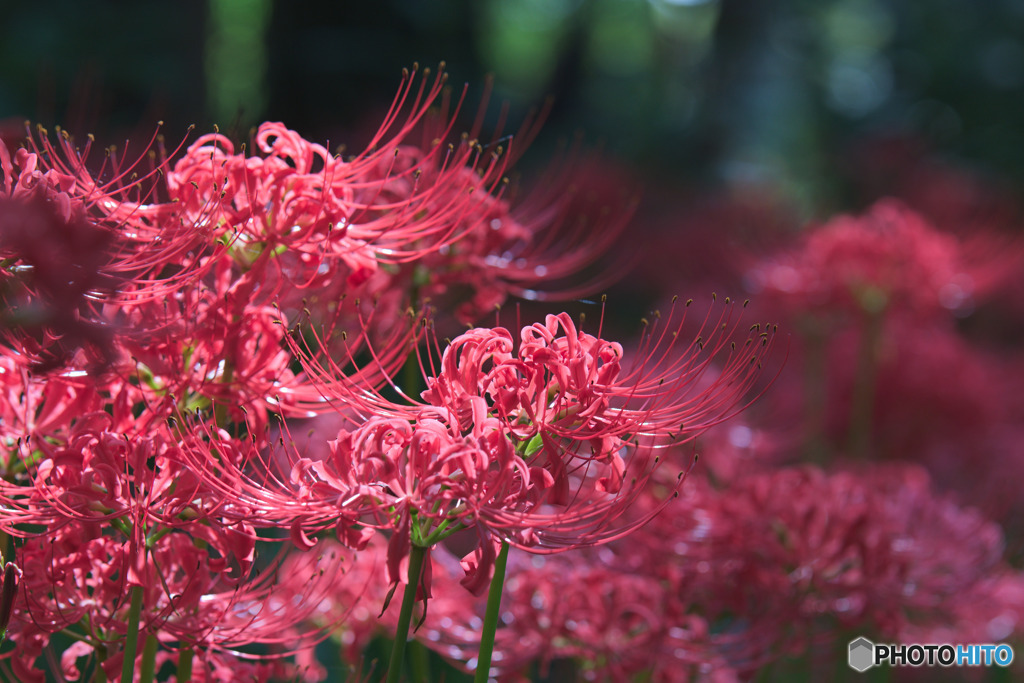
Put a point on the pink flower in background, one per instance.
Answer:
(890, 257)
(728, 580)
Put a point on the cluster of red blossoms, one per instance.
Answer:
(170, 324)
(230, 430)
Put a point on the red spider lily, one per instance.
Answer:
(889, 257)
(192, 598)
(875, 298)
(219, 355)
(52, 261)
(97, 475)
(565, 383)
(76, 250)
(546, 448)
(152, 477)
(304, 227)
(802, 556)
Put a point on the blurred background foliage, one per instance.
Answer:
(765, 93)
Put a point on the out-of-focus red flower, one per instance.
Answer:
(52, 260)
(728, 580)
(889, 258)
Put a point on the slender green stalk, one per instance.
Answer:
(862, 402)
(419, 661)
(131, 642)
(416, 556)
(148, 659)
(185, 664)
(98, 674)
(483, 660)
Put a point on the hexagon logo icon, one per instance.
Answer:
(862, 654)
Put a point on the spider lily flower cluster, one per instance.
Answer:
(169, 321)
(230, 429)
(545, 446)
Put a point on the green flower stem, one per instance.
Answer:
(442, 532)
(815, 391)
(416, 557)
(132, 638)
(862, 402)
(98, 674)
(185, 664)
(122, 526)
(483, 660)
(148, 659)
(419, 661)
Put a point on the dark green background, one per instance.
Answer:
(738, 91)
